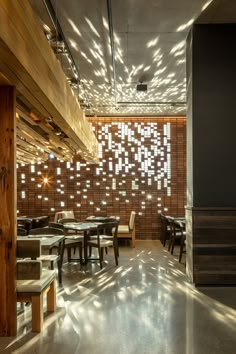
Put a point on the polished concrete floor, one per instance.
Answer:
(144, 306)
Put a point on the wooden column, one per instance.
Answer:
(8, 318)
(211, 163)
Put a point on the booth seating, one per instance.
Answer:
(33, 282)
(128, 231)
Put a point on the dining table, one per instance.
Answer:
(102, 218)
(86, 228)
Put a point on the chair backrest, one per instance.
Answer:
(56, 225)
(67, 220)
(67, 214)
(64, 214)
(57, 216)
(109, 229)
(40, 221)
(131, 220)
(28, 248)
(46, 231)
(21, 231)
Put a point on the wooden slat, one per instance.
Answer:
(61, 147)
(45, 143)
(7, 212)
(3, 80)
(34, 69)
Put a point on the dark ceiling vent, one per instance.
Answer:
(141, 87)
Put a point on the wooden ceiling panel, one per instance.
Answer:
(28, 62)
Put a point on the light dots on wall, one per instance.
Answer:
(134, 173)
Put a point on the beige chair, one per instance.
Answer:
(128, 231)
(64, 214)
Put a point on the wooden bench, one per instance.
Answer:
(33, 282)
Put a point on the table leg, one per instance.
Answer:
(85, 247)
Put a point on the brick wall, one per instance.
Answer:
(142, 167)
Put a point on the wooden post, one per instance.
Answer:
(8, 318)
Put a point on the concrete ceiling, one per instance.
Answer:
(141, 41)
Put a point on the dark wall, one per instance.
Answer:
(142, 167)
(213, 116)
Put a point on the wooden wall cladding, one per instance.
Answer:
(142, 167)
(212, 241)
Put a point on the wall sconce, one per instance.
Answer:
(45, 180)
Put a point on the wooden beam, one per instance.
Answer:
(27, 60)
(58, 143)
(8, 321)
(3, 80)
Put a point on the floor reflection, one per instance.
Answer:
(145, 305)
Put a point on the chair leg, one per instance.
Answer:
(80, 254)
(59, 266)
(181, 249)
(116, 244)
(165, 238)
(116, 255)
(100, 257)
(173, 245)
(164, 241)
(170, 243)
(69, 254)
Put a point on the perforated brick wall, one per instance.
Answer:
(142, 167)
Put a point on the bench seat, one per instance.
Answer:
(33, 291)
